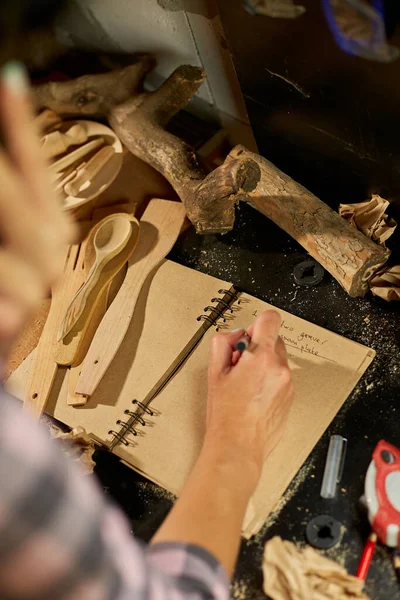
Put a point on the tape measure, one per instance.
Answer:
(382, 493)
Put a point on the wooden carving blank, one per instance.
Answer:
(86, 174)
(112, 252)
(73, 347)
(160, 227)
(75, 156)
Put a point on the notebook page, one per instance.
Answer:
(326, 367)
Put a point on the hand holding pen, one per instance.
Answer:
(249, 392)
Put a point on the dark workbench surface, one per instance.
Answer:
(259, 258)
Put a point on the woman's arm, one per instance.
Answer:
(249, 399)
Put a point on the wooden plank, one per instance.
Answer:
(28, 338)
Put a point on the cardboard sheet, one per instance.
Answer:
(326, 367)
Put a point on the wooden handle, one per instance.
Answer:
(85, 175)
(73, 372)
(160, 227)
(75, 155)
(342, 250)
(69, 176)
(78, 303)
(74, 399)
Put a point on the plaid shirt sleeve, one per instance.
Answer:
(59, 539)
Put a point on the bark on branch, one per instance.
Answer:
(93, 95)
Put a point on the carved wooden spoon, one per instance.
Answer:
(110, 239)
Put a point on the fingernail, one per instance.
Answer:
(14, 75)
(238, 329)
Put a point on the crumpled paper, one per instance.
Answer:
(386, 283)
(370, 218)
(77, 445)
(292, 573)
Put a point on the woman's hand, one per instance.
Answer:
(34, 233)
(249, 395)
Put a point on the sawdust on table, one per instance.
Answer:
(303, 475)
(239, 589)
(343, 553)
(150, 490)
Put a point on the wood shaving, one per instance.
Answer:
(370, 218)
(77, 445)
(292, 573)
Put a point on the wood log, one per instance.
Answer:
(139, 121)
(93, 95)
(210, 199)
(342, 250)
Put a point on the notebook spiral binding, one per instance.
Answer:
(224, 303)
(213, 313)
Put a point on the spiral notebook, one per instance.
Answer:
(150, 407)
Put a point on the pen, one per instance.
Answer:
(243, 343)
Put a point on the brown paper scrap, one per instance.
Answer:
(370, 218)
(78, 445)
(292, 573)
(386, 283)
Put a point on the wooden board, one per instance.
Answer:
(28, 338)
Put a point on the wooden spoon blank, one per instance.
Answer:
(101, 274)
(75, 155)
(86, 174)
(72, 350)
(166, 218)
